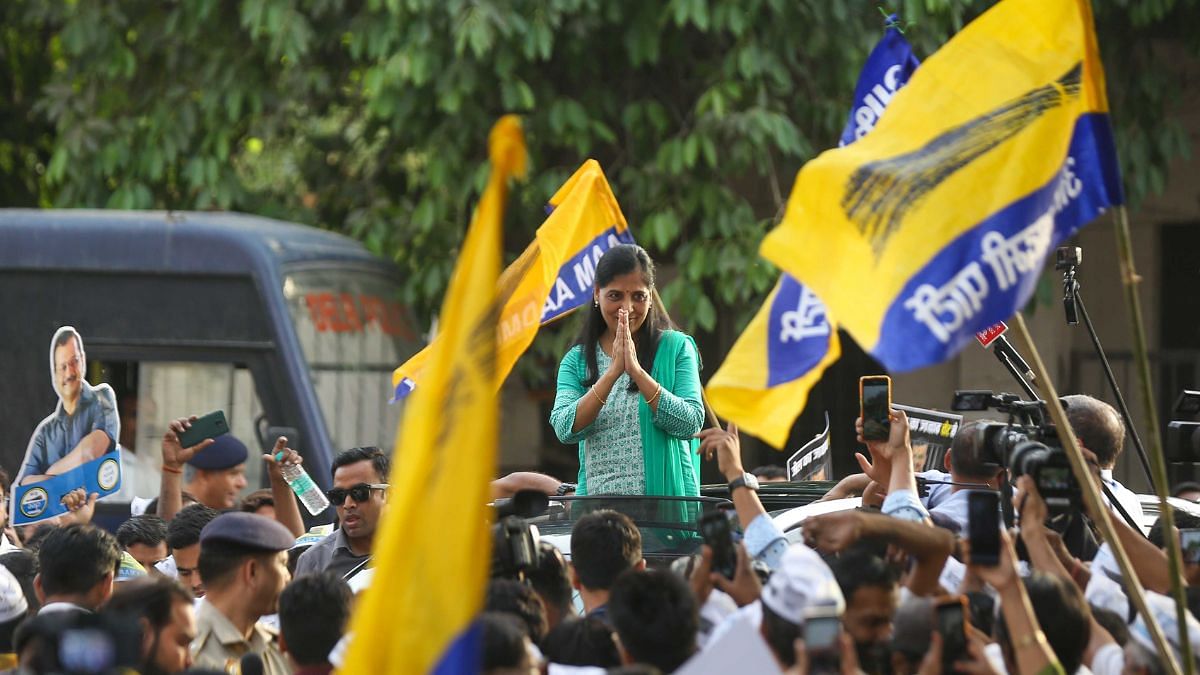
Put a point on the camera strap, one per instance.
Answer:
(356, 569)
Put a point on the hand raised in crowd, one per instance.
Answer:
(848, 660)
(726, 445)
(175, 455)
(632, 365)
(833, 532)
(1004, 574)
(80, 507)
(975, 663)
(744, 588)
(290, 456)
(1029, 506)
(879, 467)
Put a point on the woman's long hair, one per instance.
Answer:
(618, 261)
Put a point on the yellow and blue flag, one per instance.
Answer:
(764, 382)
(553, 276)
(888, 67)
(431, 561)
(936, 224)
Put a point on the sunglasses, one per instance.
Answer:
(359, 493)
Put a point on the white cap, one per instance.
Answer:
(802, 580)
(12, 598)
(1163, 609)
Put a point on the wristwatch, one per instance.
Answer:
(746, 480)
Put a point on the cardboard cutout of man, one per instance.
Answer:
(85, 424)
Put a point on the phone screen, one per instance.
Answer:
(821, 633)
(983, 526)
(1189, 541)
(718, 534)
(876, 404)
(954, 634)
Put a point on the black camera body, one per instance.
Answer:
(516, 547)
(1027, 445)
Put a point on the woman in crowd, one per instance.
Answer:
(629, 389)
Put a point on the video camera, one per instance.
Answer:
(516, 544)
(1027, 445)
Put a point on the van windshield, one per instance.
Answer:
(354, 333)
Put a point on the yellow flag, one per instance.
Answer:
(764, 382)
(432, 548)
(936, 224)
(553, 276)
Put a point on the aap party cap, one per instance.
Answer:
(226, 452)
(130, 568)
(248, 530)
(12, 598)
(802, 580)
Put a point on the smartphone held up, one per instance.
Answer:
(875, 404)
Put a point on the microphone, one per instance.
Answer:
(251, 664)
(1003, 345)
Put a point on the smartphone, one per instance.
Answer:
(718, 534)
(951, 622)
(875, 406)
(822, 630)
(210, 426)
(1189, 542)
(983, 526)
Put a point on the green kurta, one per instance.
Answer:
(669, 463)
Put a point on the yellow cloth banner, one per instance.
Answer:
(431, 551)
(764, 382)
(552, 276)
(936, 224)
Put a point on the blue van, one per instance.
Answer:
(288, 329)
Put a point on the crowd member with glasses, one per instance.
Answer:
(359, 492)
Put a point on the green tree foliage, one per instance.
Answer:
(368, 116)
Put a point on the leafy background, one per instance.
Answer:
(368, 116)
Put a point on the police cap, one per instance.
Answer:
(248, 530)
(226, 452)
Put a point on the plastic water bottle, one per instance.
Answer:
(302, 484)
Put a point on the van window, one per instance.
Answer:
(152, 393)
(353, 333)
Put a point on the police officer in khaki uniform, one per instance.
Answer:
(243, 564)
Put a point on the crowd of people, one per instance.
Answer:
(204, 578)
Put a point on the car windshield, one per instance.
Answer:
(667, 524)
(353, 333)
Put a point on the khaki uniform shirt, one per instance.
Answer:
(220, 646)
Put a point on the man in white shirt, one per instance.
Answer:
(969, 467)
(1100, 429)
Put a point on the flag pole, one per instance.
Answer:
(1130, 280)
(1091, 496)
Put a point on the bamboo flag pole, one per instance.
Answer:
(1158, 465)
(1091, 493)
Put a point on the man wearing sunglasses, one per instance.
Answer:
(359, 492)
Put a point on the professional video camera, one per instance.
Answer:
(1026, 445)
(516, 547)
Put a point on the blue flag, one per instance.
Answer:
(764, 382)
(887, 69)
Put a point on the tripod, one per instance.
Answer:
(1068, 260)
